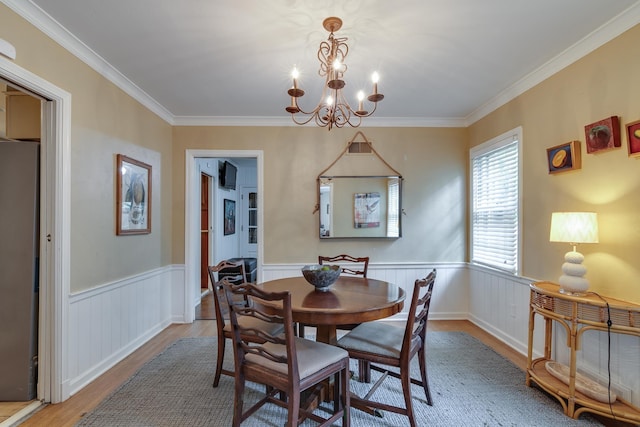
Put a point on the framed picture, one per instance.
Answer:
(229, 217)
(564, 157)
(133, 196)
(633, 138)
(366, 210)
(602, 135)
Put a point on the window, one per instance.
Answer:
(495, 202)
(393, 207)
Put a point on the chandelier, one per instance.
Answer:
(333, 109)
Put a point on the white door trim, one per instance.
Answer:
(55, 230)
(192, 221)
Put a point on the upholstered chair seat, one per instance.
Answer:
(376, 338)
(312, 356)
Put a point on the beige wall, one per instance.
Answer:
(603, 84)
(105, 121)
(431, 160)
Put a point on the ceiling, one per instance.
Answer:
(441, 63)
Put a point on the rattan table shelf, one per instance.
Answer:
(578, 314)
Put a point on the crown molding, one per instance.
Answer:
(286, 121)
(44, 22)
(52, 28)
(605, 33)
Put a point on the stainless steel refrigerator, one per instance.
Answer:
(19, 276)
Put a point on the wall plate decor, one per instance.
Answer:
(633, 138)
(603, 135)
(133, 196)
(229, 217)
(564, 157)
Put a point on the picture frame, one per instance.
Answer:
(633, 138)
(133, 196)
(229, 217)
(603, 135)
(564, 157)
(366, 210)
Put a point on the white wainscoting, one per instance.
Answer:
(499, 304)
(109, 322)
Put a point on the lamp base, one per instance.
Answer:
(573, 285)
(572, 281)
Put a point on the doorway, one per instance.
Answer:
(20, 205)
(205, 230)
(54, 253)
(192, 219)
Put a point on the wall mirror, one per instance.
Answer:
(360, 206)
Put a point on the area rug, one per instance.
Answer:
(471, 385)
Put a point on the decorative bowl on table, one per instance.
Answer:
(321, 276)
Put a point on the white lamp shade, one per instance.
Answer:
(574, 227)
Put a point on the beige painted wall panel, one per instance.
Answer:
(432, 161)
(105, 121)
(603, 84)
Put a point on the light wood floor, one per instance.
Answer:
(69, 412)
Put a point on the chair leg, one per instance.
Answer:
(346, 399)
(238, 402)
(301, 330)
(405, 375)
(425, 377)
(293, 409)
(364, 371)
(219, 360)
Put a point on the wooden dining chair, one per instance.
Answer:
(286, 364)
(221, 308)
(383, 344)
(359, 268)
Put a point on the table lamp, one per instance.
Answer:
(574, 228)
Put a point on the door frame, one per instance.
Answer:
(192, 221)
(55, 190)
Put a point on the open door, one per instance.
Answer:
(205, 230)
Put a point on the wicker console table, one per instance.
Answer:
(578, 315)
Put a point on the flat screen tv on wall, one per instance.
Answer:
(228, 174)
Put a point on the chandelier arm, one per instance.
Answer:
(375, 106)
(304, 122)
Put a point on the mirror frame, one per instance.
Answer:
(347, 206)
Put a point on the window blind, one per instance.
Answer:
(393, 217)
(495, 205)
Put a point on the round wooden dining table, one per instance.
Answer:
(350, 300)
